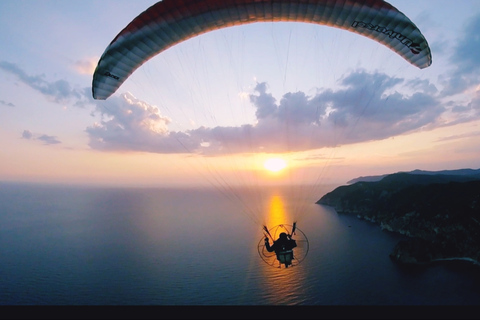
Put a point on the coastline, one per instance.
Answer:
(473, 261)
(404, 257)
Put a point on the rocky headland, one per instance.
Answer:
(438, 211)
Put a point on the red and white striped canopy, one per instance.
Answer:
(169, 22)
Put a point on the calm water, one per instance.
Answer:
(98, 246)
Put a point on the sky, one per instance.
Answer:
(379, 114)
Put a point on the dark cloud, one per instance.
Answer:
(46, 139)
(366, 106)
(27, 134)
(360, 111)
(466, 51)
(462, 112)
(8, 104)
(466, 72)
(474, 105)
(422, 85)
(59, 91)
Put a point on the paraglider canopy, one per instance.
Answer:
(169, 22)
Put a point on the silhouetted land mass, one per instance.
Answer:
(459, 172)
(438, 211)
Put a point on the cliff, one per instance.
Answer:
(439, 212)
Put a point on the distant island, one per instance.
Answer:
(438, 210)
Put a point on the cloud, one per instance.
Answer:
(361, 110)
(466, 71)
(59, 91)
(85, 66)
(8, 104)
(46, 139)
(367, 106)
(473, 134)
(131, 124)
(27, 134)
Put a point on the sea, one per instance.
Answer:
(110, 246)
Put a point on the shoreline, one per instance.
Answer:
(473, 261)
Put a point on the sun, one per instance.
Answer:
(275, 164)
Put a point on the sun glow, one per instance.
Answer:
(275, 164)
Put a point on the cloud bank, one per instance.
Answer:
(364, 106)
(465, 59)
(361, 110)
(59, 91)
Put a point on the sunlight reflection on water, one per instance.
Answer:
(85, 246)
